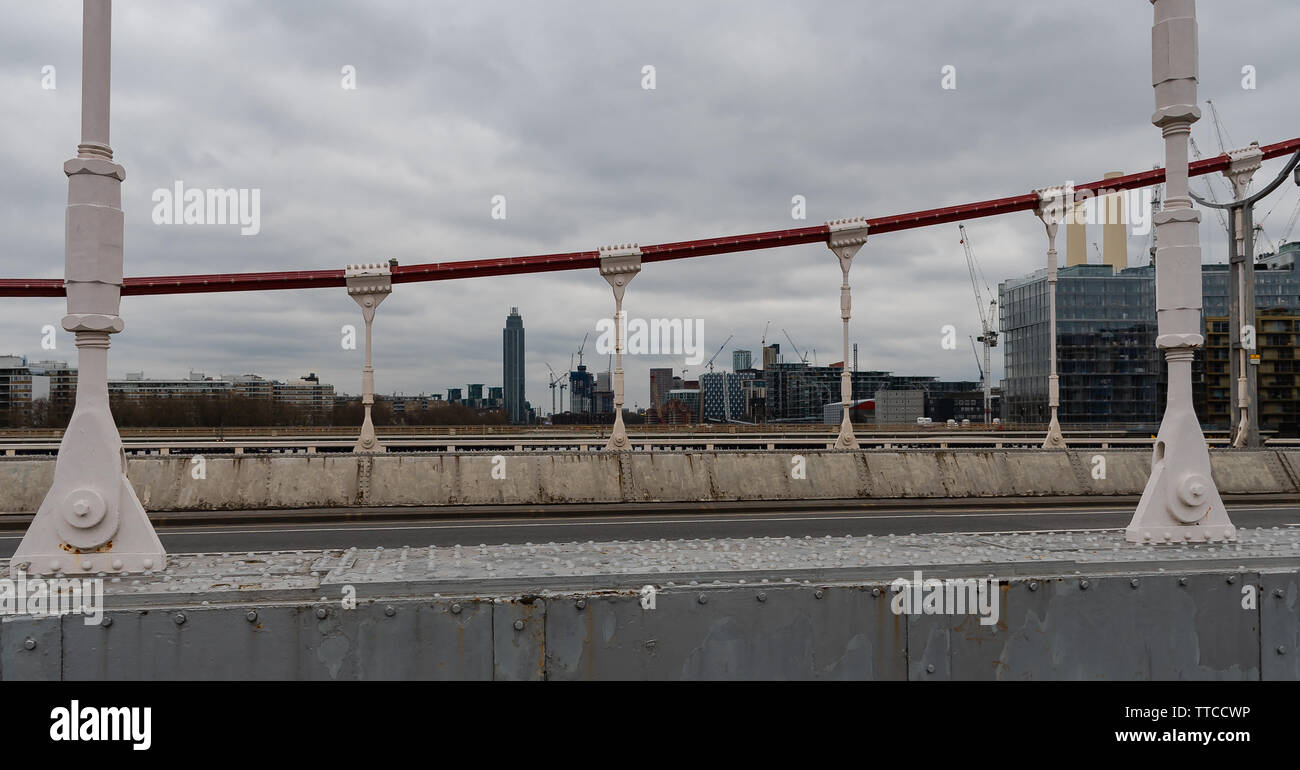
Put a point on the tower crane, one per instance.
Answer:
(582, 346)
(555, 380)
(726, 402)
(802, 357)
(709, 363)
(988, 335)
(976, 351)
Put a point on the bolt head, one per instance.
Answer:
(703, 599)
(251, 616)
(1033, 585)
(179, 618)
(1134, 582)
(29, 643)
(1083, 585)
(455, 609)
(762, 596)
(390, 610)
(581, 604)
(519, 625)
(321, 612)
(108, 621)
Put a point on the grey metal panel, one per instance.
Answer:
(42, 635)
(1279, 626)
(419, 640)
(423, 640)
(519, 639)
(1171, 626)
(846, 634)
(213, 643)
(1159, 630)
(398, 640)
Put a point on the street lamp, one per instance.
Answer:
(1241, 282)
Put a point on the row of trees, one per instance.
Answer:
(239, 411)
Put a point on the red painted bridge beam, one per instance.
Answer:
(445, 271)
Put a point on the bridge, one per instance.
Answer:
(734, 606)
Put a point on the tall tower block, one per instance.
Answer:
(1114, 242)
(1076, 236)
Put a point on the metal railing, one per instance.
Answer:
(810, 440)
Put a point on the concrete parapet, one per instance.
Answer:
(243, 482)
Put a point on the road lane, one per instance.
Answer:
(438, 529)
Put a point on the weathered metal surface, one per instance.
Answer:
(755, 608)
(727, 632)
(1279, 611)
(408, 640)
(519, 638)
(30, 648)
(1185, 626)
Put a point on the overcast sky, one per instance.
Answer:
(754, 102)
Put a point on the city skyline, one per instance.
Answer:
(563, 181)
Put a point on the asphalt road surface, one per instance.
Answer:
(320, 529)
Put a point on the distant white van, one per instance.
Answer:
(923, 421)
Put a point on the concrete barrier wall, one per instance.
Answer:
(1186, 626)
(167, 483)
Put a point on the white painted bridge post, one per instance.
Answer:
(619, 265)
(847, 238)
(1051, 209)
(1181, 501)
(369, 285)
(91, 520)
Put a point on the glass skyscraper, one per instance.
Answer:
(512, 354)
(1110, 369)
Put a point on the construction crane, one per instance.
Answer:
(1262, 237)
(726, 402)
(1155, 207)
(988, 335)
(580, 349)
(1209, 182)
(1219, 131)
(802, 357)
(555, 380)
(1290, 225)
(709, 363)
